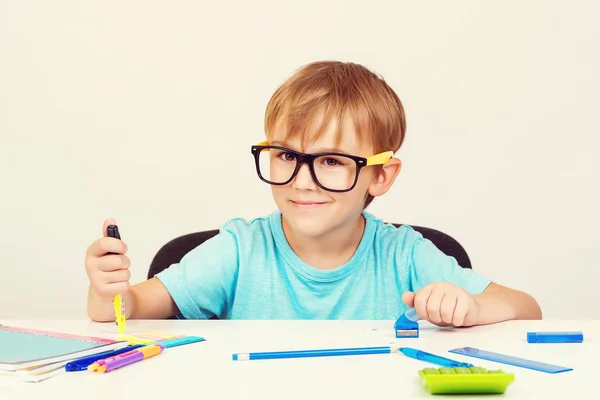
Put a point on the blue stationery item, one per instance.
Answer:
(313, 353)
(432, 358)
(510, 360)
(555, 337)
(406, 326)
(180, 341)
(22, 348)
(81, 364)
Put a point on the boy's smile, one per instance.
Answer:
(308, 205)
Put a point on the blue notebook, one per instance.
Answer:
(22, 348)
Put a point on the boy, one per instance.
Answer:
(332, 129)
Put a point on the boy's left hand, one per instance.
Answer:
(444, 304)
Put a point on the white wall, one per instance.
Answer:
(145, 111)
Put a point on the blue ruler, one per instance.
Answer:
(179, 341)
(510, 360)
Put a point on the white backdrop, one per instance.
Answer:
(145, 111)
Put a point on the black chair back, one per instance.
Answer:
(174, 250)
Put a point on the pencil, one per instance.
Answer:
(313, 353)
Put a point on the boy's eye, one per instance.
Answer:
(331, 162)
(287, 156)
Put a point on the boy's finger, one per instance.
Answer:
(106, 245)
(121, 275)
(115, 288)
(107, 222)
(408, 298)
(96, 249)
(433, 306)
(447, 308)
(420, 300)
(113, 262)
(460, 311)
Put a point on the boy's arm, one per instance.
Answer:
(444, 293)
(499, 303)
(151, 300)
(146, 300)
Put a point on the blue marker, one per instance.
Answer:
(432, 358)
(81, 364)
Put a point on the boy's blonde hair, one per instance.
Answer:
(321, 92)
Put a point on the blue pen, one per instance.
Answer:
(81, 364)
(432, 358)
(312, 353)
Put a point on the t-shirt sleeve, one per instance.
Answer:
(427, 264)
(202, 284)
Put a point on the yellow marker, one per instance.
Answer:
(119, 306)
(118, 303)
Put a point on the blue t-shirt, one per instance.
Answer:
(249, 271)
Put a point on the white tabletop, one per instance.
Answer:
(206, 370)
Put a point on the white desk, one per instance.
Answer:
(206, 371)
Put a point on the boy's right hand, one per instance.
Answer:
(108, 273)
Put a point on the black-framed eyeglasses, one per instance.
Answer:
(334, 172)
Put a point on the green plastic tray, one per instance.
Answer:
(465, 380)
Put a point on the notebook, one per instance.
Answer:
(22, 348)
(35, 374)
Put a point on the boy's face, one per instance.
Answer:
(310, 210)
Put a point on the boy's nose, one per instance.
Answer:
(303, 179)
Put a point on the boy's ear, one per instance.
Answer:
(386, 177)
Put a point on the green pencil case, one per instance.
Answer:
(465, 380)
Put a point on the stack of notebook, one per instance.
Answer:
(35, 355)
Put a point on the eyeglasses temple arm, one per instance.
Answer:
(380, 158)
